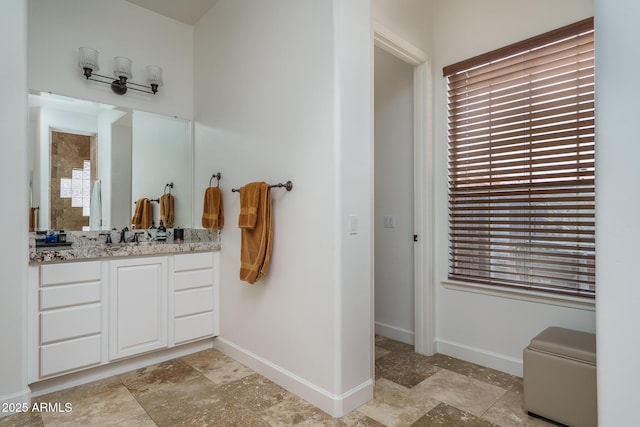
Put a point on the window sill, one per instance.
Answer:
(568, 301)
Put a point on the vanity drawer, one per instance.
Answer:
(68, 355)
(193, 301)
(69, 323)
(73, 272)
(193, 327)
(66, 295)
(193, 279)
(193, 261)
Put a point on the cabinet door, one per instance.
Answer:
(138, 310)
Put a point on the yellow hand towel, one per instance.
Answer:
(143, 214)
(249, 201)
(167, 203)
(256, 242)
(212, 212)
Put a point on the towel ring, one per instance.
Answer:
(217, 176)
(170, 185)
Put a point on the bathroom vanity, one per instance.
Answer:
(96, 305)
(111, 301)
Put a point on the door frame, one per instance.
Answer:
(424, 306)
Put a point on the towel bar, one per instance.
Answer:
(287, 185)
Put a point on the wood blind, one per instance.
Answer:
(521, 164)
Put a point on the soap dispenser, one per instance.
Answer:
(161, 234)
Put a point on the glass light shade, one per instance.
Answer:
(88, 58)
(122, 67)
(154, 75)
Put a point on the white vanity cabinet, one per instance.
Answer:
(138, 306)
(85, 314)
(68, 316)
(193, 297)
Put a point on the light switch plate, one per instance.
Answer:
(389, 221)
(353, 224)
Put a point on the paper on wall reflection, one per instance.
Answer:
(78, 188)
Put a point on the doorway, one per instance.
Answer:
(422, 180)
(73, 164)
(393, 207)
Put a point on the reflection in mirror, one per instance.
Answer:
(90, 162)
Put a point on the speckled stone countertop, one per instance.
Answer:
(90, 245)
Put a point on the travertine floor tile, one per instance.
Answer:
(395, 346)
(488, 375)
(358, 419)
(508, 411)
(193, 402)
(399, 396)
(143, 420)
(380, 352)
(395, 405)
(216, 366)
(105, 408)
(447, 416)
(405, 368)
(253, 392)
(210, 389)
(81, 391)
(294, 411)
(391, 416)
(23, 419)
(457, 390)
(155, 377)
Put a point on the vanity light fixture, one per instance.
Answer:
(88, 61)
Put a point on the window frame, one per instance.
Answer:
(583, 261)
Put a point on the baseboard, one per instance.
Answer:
(13, 403)
(116, 368)
(482, 357)
(395, 333)
(333, 404)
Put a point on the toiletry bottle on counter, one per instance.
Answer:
(161, 234)
(51, 237)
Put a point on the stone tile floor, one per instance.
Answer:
(211, 389)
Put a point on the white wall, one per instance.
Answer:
(617, 207)
(393, 181)
(488, 329)
(121, 148)
(114, 167)
(353, 160)
(287, 103)
(115, 28)
(14, 173)
(412, 20)
(161, 154)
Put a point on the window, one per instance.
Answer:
(521, 164)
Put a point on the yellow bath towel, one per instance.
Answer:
(143, 214)
(212, 212)
(249, 203)
(167, 203)
(256, 241)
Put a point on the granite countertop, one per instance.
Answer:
(87, 246)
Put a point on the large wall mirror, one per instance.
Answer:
(90, 163)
